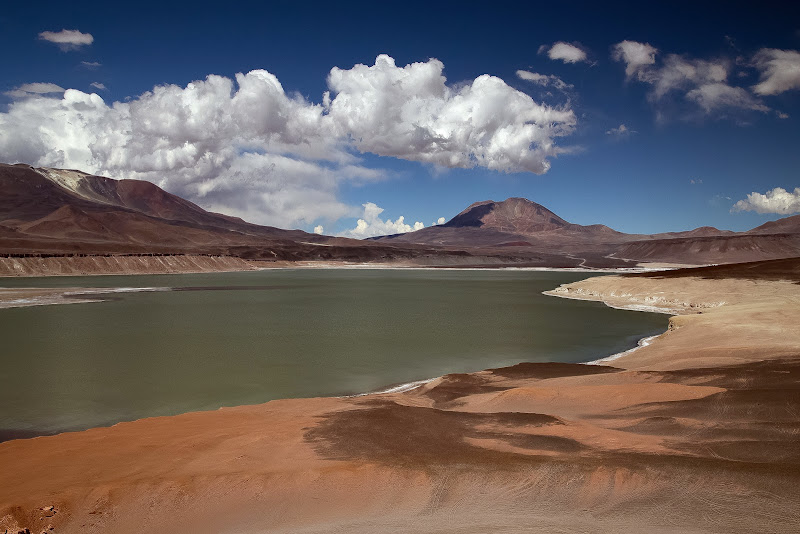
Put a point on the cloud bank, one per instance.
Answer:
(779, 201)
(67, 39)
(371, 225)
(249, 148)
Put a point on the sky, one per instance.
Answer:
(366, 118)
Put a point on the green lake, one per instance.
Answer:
(228, 339)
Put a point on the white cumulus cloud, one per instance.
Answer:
(411, 113)
(635, 55)
(780, 71)
(566, 52)
(319, 229)
(98, 85)
(67, 39)
(248, 148)
(779, 201)
(371, 225)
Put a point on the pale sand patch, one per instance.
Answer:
(720, 322)
(662, 265)
(24, 297)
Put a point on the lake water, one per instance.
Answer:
(249, 337)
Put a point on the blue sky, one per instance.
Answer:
(710, 109)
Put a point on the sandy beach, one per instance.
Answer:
(699, 431)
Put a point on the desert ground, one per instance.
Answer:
(697, 432)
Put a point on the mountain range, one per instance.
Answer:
(521, 224)
(47, 211)
(66, 212)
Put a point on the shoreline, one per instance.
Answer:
(500, 267)
(65, 296)
(72, 295)
(628, 307)
(410, 386)
(669, 438)
(130, 265)
(612, 301)
(19, 296)
(644, 342)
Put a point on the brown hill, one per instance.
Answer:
(526, 225)
(30, 194)
(512, 222)
(515, 215)
(520, 216)
(55, 211)
(787, 225)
